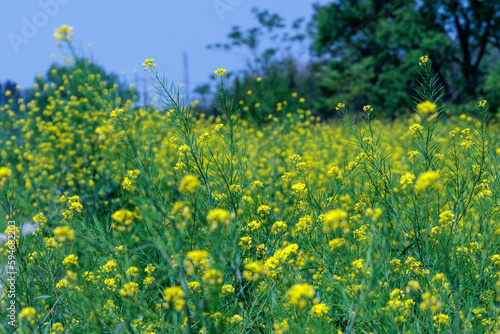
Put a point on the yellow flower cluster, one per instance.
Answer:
(64, 33)
(220, 72)
(299, 294)
(174, 296)
(148, 63)
(5, 175)
(426, 107)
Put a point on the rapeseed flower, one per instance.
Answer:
(299, 294)
(218, 216)
(27, 313)
(5, 175)
(129, 289)
(188, 184)
(220, 72)
(174, 296)
(319, 310)
(427, 179)
(426, 108)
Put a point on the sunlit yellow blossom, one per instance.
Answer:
(57, 327)
(212, 277)
(110, 284)
(188, 184)
(63, 283)
(236, 319)
(406, 180)
(427, 179)
(227, 289)
(132, 271)
(218, 216)
(197, 255)
(426, 107)
(64, 33)
(70, 260)
(174, 296)
(149, 269)
(27, 313)
(148, 63)
(129, 289)
(336, 243)
(319, 310)
(220, 72)
(63, 233)
(334, 219)
(299, 294)
(5, 175)
(423, 60)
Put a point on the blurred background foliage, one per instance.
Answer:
(357, 52)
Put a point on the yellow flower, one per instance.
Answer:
(212, 277)
(148, 63)
(334, 173)
(128, 185)
(57, 326)
(440, 319)
(336, 243)
(334, 219)
(423, 60)
(482, 103)
(64, 33)
(220, 72)
(110, 284)
(406, 180)
(217, 216)
(263, 209)
(227, 289)
(150, 268)
(197, 256)
(63, 233)
(5, 174)
(109, 266)
(70, 259)
(299, 293)
(426, 107)
(132, 271)
(27, 312)
(124, 217)
(319, 310)
(278, 227)
(129, 289)
(194, 286)
(174, 295)
(236, 319)
(62, 283)
(426, 179)
(189, 183)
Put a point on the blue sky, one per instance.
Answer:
(123, 33)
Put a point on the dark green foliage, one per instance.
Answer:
(367, 49)
(273, 47)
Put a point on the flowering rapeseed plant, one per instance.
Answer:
(156, 221)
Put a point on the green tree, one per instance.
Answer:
(273, 70)
(367, 49)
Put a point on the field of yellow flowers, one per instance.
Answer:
(168, 221)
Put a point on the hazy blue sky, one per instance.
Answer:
(124, 32)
